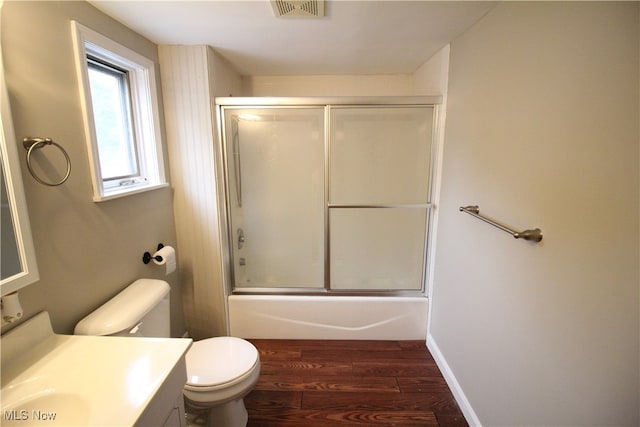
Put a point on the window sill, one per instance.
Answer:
(116, 194)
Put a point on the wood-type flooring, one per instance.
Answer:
(318, 383)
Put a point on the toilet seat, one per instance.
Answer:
(219, 362)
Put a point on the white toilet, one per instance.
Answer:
(221, 371)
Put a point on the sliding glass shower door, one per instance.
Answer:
(275, 164)
(328, 198)
(379, 168)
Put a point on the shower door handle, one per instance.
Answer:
(240, 238)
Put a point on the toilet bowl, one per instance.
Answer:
(221, 371)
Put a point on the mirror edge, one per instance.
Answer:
(15, 192)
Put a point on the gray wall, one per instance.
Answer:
(542, 131)
(86, 251)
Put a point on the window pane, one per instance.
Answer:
(380, 155)
(377, 249)
(110, 100)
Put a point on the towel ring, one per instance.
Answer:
(31, 144)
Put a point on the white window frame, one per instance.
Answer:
(145, 112)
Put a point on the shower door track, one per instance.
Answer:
(382, 206)
(358, 101)
(327, 292)
(327, 103)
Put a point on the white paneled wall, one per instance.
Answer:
(188, 92)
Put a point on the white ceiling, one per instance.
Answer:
(354, 37)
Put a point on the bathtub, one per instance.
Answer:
(328, 317)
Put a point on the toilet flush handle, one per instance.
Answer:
(135, 329)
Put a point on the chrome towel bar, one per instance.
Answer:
(533, 235)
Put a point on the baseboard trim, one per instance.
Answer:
(452, 382)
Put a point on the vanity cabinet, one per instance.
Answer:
(177, 416)
(90, 380)
(166, 408)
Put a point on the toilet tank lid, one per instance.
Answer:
(124, 310)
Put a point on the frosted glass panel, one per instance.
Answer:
(275, 160)
(377, 249)
(380, 155)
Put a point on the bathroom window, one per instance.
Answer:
(119, 100)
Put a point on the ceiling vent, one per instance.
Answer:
(298, 8)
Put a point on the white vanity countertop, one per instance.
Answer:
(82, 380)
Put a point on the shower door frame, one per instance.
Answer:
(230, 103)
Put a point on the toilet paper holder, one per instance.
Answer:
(147, 257)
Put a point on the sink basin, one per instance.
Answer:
(48, 407)
(50, 379)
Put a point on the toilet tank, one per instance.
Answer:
(141, 309)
